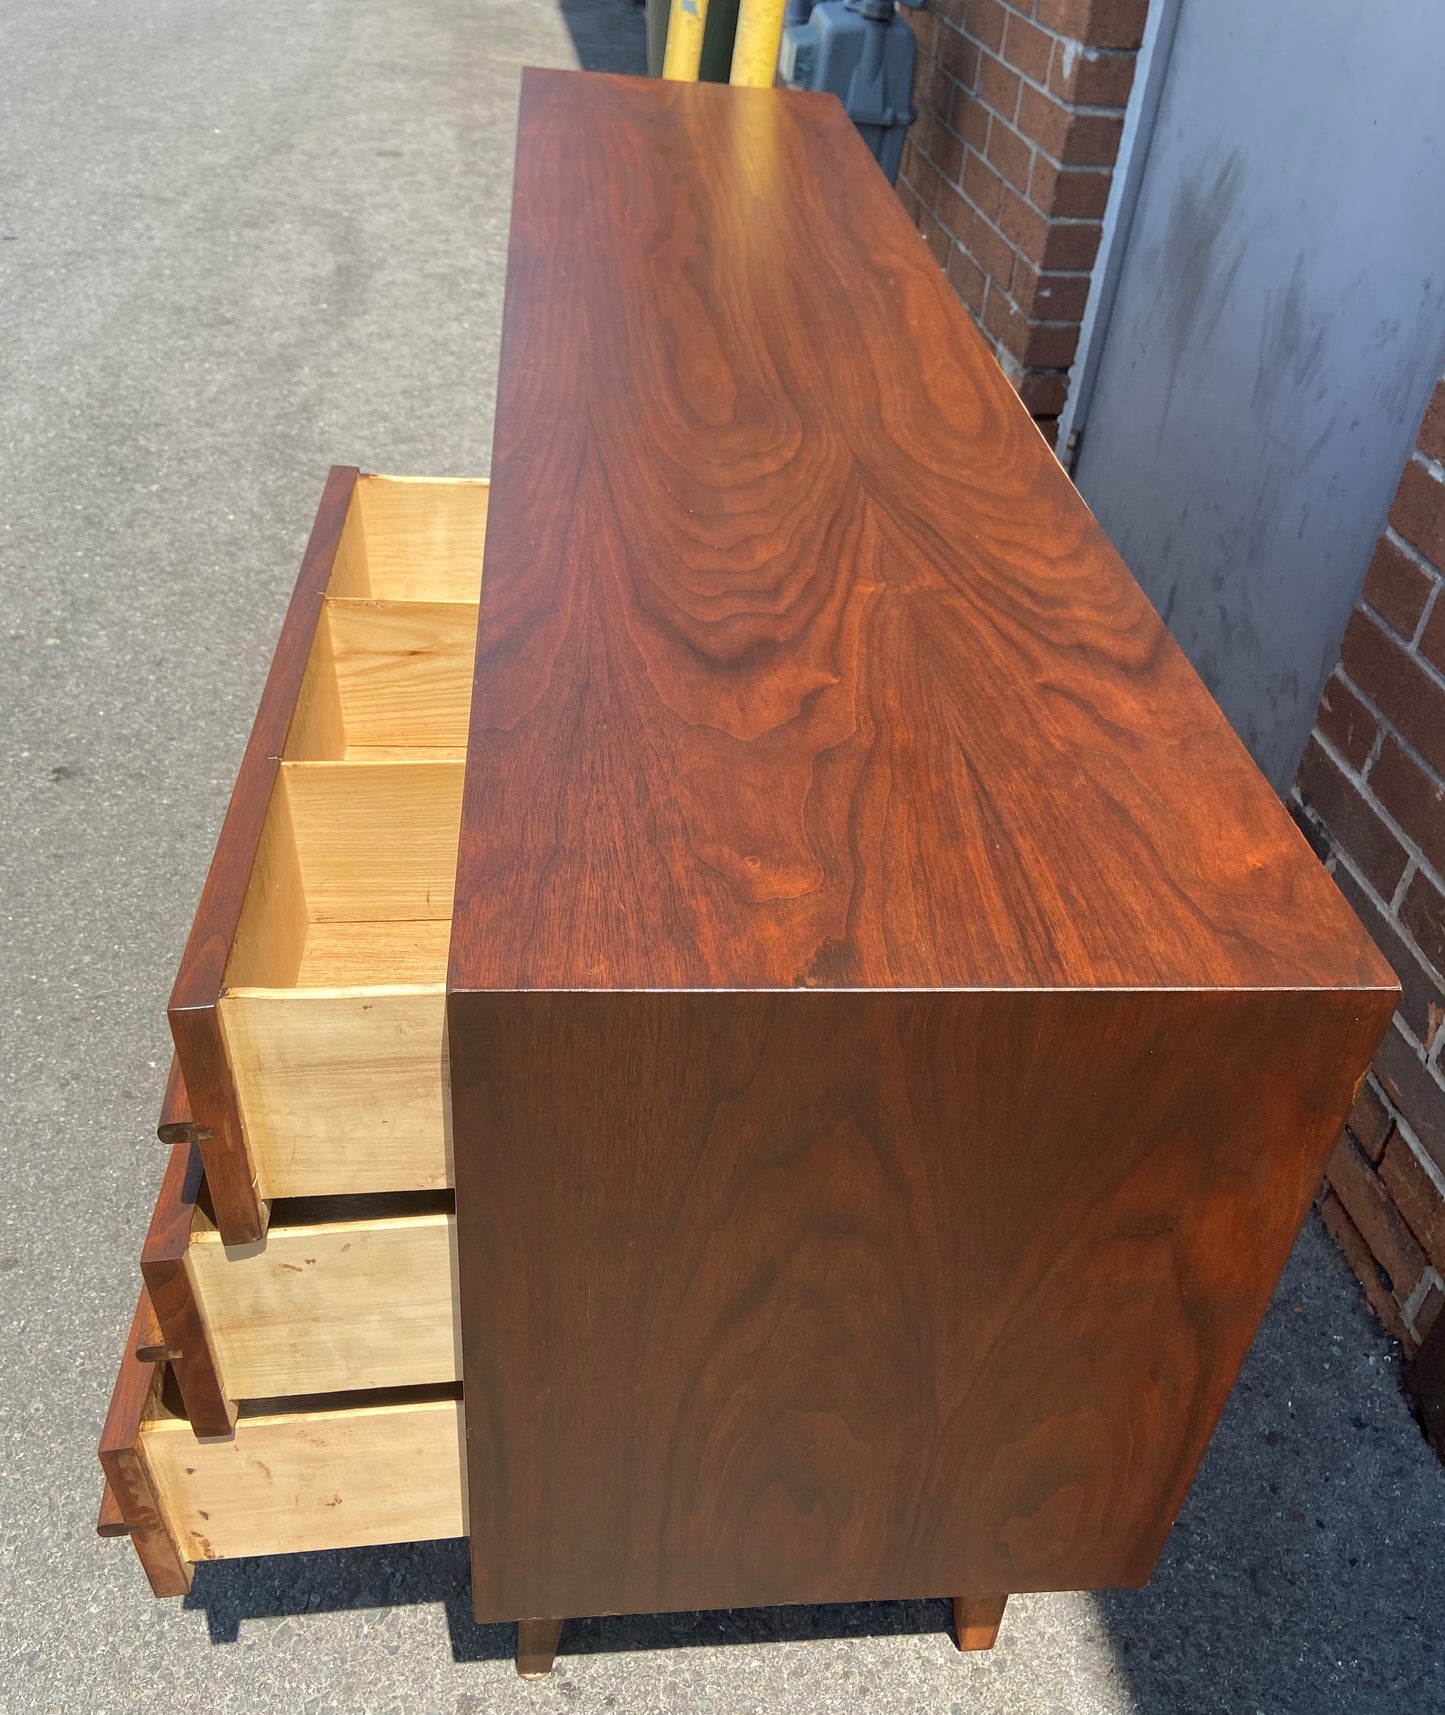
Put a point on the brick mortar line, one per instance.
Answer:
(1343, 851)
(1432, 773)
(1408, 644)
(1428, 1282)
(1360, 781)
(1037, 153)
(1402, 887)
(1429, 668)
(1059, 35)
(1425, 615)
(1417, 1047)
(1341, 854)
(1062, 220)
(1409, 550)
(1433, 466)
(1422, 1156)
(1076, 109)
(1038, 268)
(1382, 730)
(1428, 1278)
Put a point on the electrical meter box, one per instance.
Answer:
(863, 52)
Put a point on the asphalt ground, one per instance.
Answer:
(239, 242)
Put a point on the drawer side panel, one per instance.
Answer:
(827, 1297)
(351, 1304)
(311, 1480)
(341, 1092)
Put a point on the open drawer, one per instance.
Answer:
(298, 1474)
(308, 1013)
(342, 1293)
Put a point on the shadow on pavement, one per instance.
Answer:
(1306, 1574)
(608, 35)
(231, 1592)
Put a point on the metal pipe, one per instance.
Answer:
(755, 52)
(657, 11)
(685, 29)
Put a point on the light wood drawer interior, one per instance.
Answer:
(390, 669)
(302, 1475)
(321, 1362)
(387, 679)
(341, 1294)
(333, 1004)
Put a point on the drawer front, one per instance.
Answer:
(295, 1476)
(308, 1013)
(340, 1294)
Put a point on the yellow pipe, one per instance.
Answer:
(755, 47)
(685, 26)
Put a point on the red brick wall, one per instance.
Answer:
(1007, 168)
(1371, 796)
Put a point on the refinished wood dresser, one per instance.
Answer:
(788, 991)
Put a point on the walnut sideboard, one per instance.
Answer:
(773, 1048)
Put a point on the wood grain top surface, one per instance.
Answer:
(801, 662)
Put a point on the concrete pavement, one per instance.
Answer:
(239, 242)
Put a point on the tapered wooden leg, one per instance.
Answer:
(537, 1647)
(976, 1620)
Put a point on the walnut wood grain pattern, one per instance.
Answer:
(176, 1122)
(126, 1474)
(924, 1259)
(200, 1049)
(800, 661)
(184, 1333)
(826, 1297)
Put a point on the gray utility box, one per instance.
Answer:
(863, 52)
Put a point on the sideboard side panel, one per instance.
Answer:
(823, 1297)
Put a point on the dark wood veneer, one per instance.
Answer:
(110, 1521)
(894, 1030)
(177, 1123)
(184, 1339)
(131, 1493)
(195, 1026)
(801, 663)
(830, 1297)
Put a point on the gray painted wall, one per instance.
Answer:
(1279, 324)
